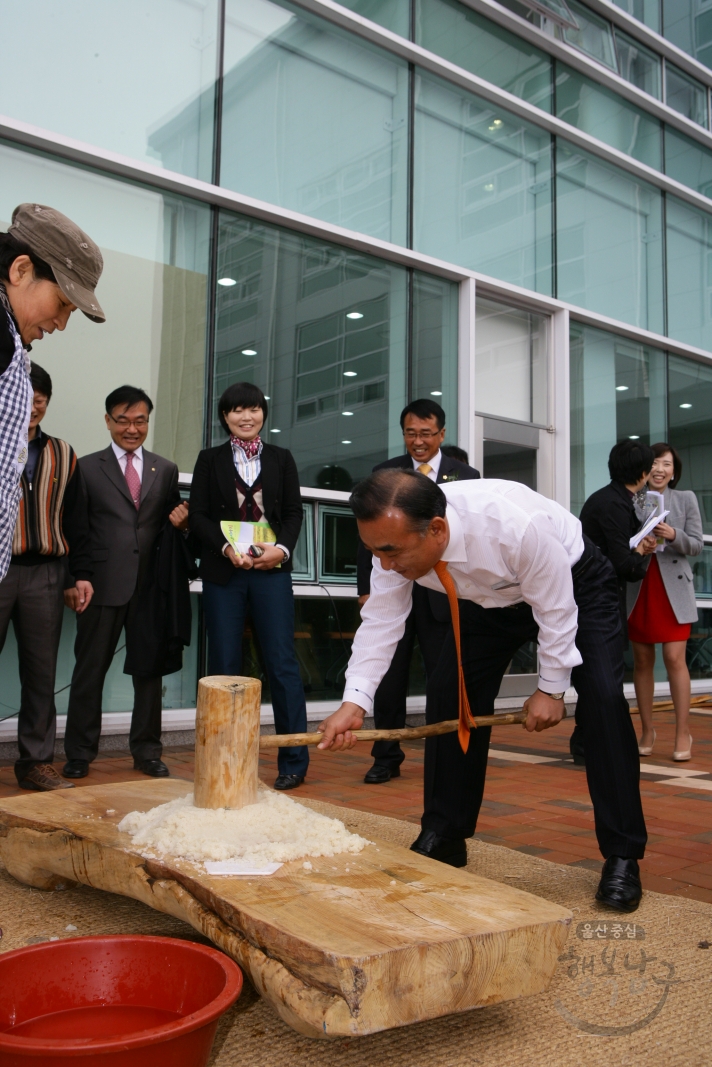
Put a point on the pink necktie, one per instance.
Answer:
(132, 480)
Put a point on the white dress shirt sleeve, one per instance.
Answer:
(383, 623)
(546, 584)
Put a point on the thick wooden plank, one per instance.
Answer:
(358, 944)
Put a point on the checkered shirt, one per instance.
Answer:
(15, 407)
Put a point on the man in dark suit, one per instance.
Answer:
(423, 426)
(130, 493)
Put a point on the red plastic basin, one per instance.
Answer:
(114, 1001)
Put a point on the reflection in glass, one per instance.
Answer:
(685, 94)
(688, 161)
(510, 363)
(687, 24)
(638, 65)
(645, 11)
(153, 289)
(702, 571)
(468, 39)
(699, 647)
(482, 195)
(690, 406)
(338, 544)
(303, 563)
(136, 78)
(594, 35)
(609, 240)
(434, 361)
(314, 119)
(393, 14)
(596, 110)
(689, 273)
(618, 392)
(322, 331)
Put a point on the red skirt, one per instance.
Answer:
(652, 620)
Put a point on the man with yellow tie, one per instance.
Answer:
(423, 426)
(516, 567)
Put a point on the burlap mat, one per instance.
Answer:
(627, 990)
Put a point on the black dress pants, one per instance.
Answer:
(389, 703)
(454, 781)
(98, 632)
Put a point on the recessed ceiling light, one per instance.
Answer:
(227, 281)
(249, 352)
(347, 412)
(350, 374)
(489, 187)
(274, 430)
(267, 397)
(685, 405)
(497, 122)
(354, 315)
(345, 442)
(436, 392)
(622, 388)
(634, 437)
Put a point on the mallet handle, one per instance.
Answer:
(408, 734)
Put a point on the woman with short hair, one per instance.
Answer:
(48, 269)
(662, 607)
(248, 480)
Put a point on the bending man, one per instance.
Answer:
(520, 569)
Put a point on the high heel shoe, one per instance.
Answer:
(647, 750)
(680, 756)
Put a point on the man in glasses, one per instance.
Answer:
(130, 494)
(423, 426)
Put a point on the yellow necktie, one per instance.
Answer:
(464, 713)
(425, 468)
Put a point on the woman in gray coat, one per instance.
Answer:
(662, 608)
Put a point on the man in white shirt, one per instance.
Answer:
(130, 494)
(423, 425)
(522, 571)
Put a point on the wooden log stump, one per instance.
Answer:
(227, 741)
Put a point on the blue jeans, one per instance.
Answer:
(269, 595)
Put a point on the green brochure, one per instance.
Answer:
(243, 534)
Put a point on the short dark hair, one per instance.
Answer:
(41, 381)
(412, 493)
(11, 249)
(423, 409)
(454, 452)
(659, 449)
(241, 395)
(126, 396)
(629, 461)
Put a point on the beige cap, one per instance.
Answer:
(75, 260)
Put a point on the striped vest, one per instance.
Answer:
(39, 521)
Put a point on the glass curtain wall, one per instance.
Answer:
(482, 186)
(689, 274)
(603, 114)
(618, 391)
(138, 79)
(462, 36)
(314, 119)
(688, 24)
(394, 15)
(609, 240)
(690, 406)
(686, 95)
(688, 161)
(510, 362)
(645, 11)
(324, 331)
(154, 293)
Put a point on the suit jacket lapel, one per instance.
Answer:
(150, 473)
(112, 470)
(225, 472)
(446, 466)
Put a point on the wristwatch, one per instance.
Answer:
(554, 696)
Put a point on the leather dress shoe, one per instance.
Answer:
(288, 781)
(445, 849)
(379, 774)
(43, 778)
(75, 768)
(154, 768)
(620, 886)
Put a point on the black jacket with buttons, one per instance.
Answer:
(213, 498)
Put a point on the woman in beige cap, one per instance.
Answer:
(48, 269)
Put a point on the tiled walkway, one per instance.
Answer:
(536, 801)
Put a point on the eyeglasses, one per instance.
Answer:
(140, 423)
(426, 435)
